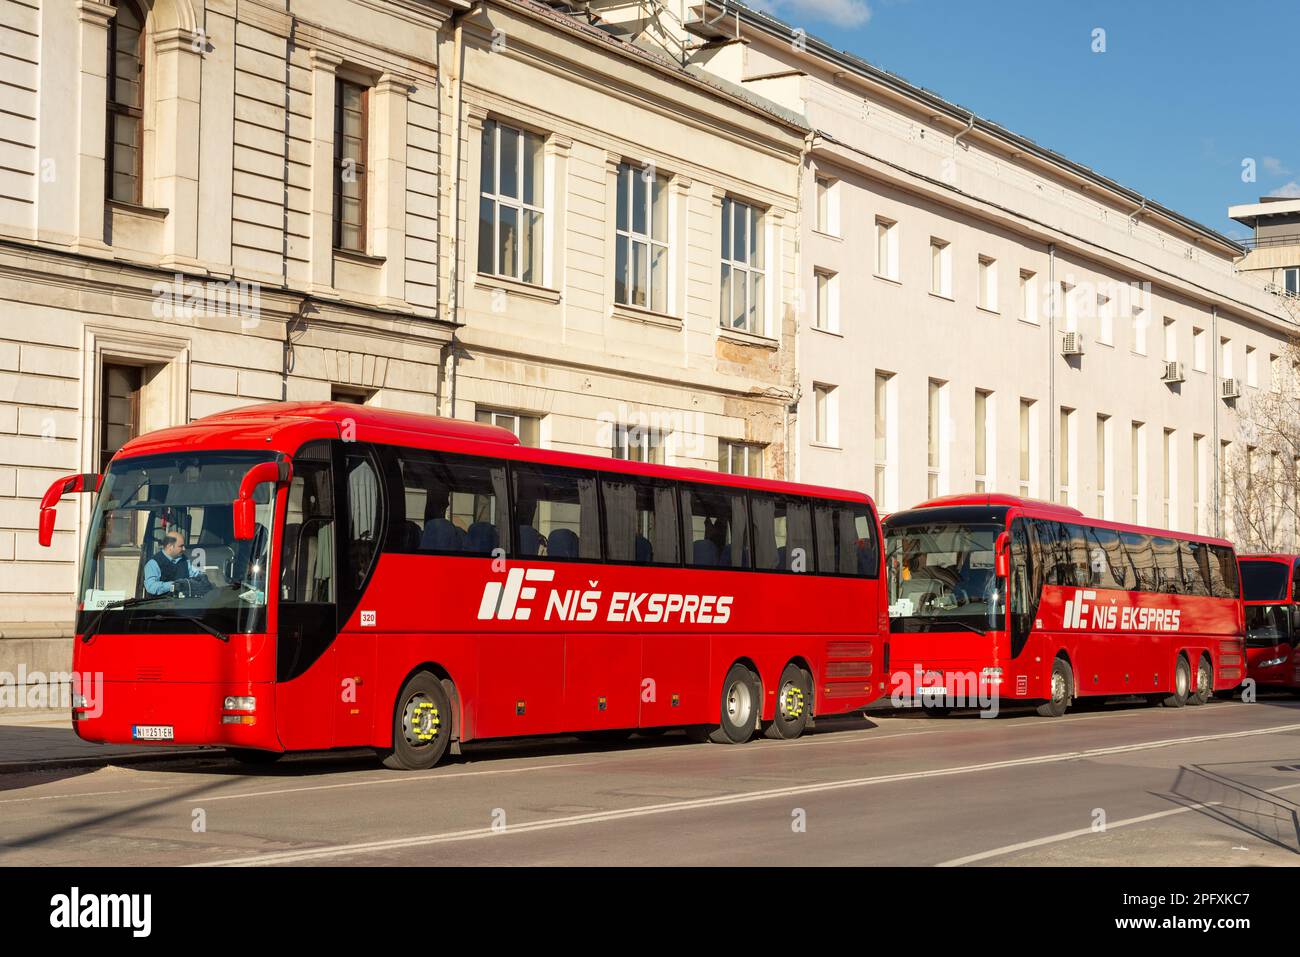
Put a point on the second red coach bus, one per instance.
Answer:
(1030, 601)
(1269, 587)
(304, 576)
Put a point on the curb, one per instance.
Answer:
(94, 760)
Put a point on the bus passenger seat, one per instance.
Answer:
(704, 553)
(644, 551)
(562, 543)
(441, 535)
(530, 540)
(481, 538)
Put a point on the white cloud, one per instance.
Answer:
(842, 13)
(1274, 166)
(1291, 190)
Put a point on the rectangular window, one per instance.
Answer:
(828, 301)
(984, 443)
(125, 98)
(1225, 505)
(940, 268)
(1137, 473)
(1105, 321)
(641, 241)
(717, 527)
(782, 533)
(935, 431)
(1028, 296)
(1169, 479)
(1066, 462)
(527, 428)
(450, 504)
(1291, 281)
(740, 458)
(1171, 340)
(1069, 308)
(351, 145)
(119, 405)
(1198, 349)
(886, 248)
(1103, 466)
(638, 443)
(827, 415)
(1198, 480)
(640, 520)
(828, 206)
(556, 513)
(1140, 330)
(742, 287)
(511, 192)
(1252, 371)
(988, 283)
(885, 439)
(1274, 373)
(846, 539)
(1225, 357)
(1027, 447)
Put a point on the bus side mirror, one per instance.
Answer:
(68, 485)
(1001, 556)
(244, 509)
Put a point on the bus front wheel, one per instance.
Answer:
(1062, 686)
(421, 725)
(1203, 690)
(1182, 685)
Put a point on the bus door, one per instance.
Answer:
(361, 502)
(308, 604)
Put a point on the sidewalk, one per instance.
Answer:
(35, 740)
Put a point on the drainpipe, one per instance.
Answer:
(1051, 372)
(1216, 451)
(1132, 220)
(970, 124)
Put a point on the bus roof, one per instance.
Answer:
(1037, 508)
(1269, 557)
(286, 426)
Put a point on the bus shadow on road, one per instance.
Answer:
(1241, 806)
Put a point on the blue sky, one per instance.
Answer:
(1182, 95)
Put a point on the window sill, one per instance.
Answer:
(361, 259)
(1103, 342)
(645, 316)
(135, 209)
(827, 446)
(748, 338)
(986, 309)
(827, 332)
(825, 235)
(516, 286)
(889, 279)
(939, 295)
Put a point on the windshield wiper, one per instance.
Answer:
(93, 625)
(197, 621)
(952, 621)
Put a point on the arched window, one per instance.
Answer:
(122, 174)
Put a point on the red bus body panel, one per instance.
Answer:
(1284, 673)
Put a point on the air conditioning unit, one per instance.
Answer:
(1071, 344)
(1230, 389)
(1173, 372)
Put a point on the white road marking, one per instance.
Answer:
(599, 817)
(1085, 831)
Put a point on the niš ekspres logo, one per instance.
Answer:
(1082, 611)
(515, 600)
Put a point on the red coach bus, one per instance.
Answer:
(1268, 584)
(992, 595)
(348, 576)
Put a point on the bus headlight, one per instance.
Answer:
(244, 703)
(1273, 661)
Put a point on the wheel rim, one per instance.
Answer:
(739, 703)
(792, 701)
(1182, 682)
(1058, 687)
(1203, 680)
(421, 721)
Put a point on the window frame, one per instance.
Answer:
(756, 231)
(114, 108)
(360, 167)
(627, 234)
(519, 204)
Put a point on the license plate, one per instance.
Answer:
(152, 732)
(932, 692)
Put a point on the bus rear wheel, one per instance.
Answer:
(1062, 688)
(793, 702)
(1203, 690)
(1182, 685)
(739, 710)
(421, 725)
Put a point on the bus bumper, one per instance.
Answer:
(1277, 667)
(170, 714)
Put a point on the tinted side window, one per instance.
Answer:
(782, 533)
(1193, 580)
(449, 504)
(365, 516)
(1223, 562)
(1169, 575)
(307, 552)
(1056, 547)
(556, 513)
(1143, 559)
(640, 520)
(717, 527)
(846, 539)
(1108, 562)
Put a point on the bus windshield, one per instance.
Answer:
(1267, 625)
(942, 577)
(1264, 580)
(162, 555)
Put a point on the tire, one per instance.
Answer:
(1182, 685)
(1062, 690)
(253, 757)
(1203, 690)
(739, 707)
(421, 725)
(793, 705)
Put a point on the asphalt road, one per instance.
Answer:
(1123, 784)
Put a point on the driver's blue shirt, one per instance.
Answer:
(153, 577)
